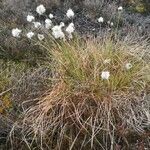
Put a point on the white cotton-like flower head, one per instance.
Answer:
(101, 19)
(57, 32)
(71, 24)
(37, 24)
(51, 16)
(70, 28)
(30, 18)
(48, 23)
(62, 24)
(40, 9)
(111, 24)
(40, 37)
(16, 32)
(30, 35)
(128, 66)
(120, 8)
(105, 75)
(70, 13)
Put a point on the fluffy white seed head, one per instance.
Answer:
(71, 24)
(105, 75)
(111, 24)
(48, 23)
(57, 32)
(40, 37)
(70, 13)
(51, 16)
(16, 32)
(30, 35)
(37, 24)
(40, 9)
(30, 18)
(101, 19)
(120, 8)
(70, 29)
(62, 24)
(128, 66)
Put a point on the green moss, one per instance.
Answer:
(140, 6)
(5, 103)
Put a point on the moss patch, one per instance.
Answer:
(140, 6)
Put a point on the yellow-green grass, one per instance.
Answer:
(82, 109)
(81, 67)
(9, 73)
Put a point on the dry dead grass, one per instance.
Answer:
(82, 111)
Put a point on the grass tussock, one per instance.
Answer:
(84, 111)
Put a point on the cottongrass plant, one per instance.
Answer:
(92, 103)
(56, 30)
